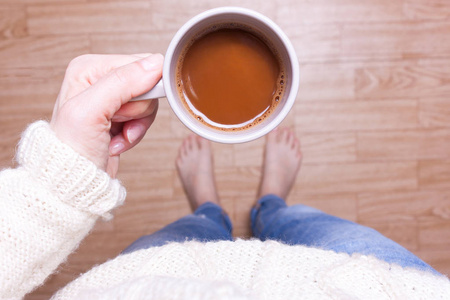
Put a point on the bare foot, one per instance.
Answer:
(282, 159)
(195, 169)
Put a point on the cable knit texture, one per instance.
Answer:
(251, 270)
(70, 176)
(48, 205)
(51, 201)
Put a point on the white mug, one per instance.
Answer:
(167, 87)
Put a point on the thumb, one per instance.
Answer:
(122, 84)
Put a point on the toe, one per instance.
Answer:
(192, 143)
(203, 143)
(284, 135)
(273, 135)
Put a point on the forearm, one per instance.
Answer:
(49, 203)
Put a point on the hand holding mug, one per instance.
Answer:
(93, 114)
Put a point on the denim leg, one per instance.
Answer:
(272, 219)
(208, 223)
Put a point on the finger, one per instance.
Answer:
(85, 70)
(122, 84)
(135, 110)
(112, 166)
(133, 132)
(91, 67)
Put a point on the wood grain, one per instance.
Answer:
(403, 145)
(434, 112)
(357, 178)
(79, 18)
(326, 82)
(403, 81)
(346, 116)
(42, 51)
(396, 39)
(385, 207)
(433, 235)
(434, 174)
(427, 10)
(13, 22)
(151, 41)
(22, 85)
(340, 11)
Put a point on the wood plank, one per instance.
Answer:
(326, 82)
(249, 154)
(434, 174)
(91, 17)
(20, 85)
(241, 216)
(60, 2)
(238, 182)
(319, 148)
(161, 127)
(434, 235)
(42, 51)
(151, 155)
(149, 196)
(390, 40)
(131, 42)
(357, 178)
(427, 10)
(434, 112)
(223, 155)
(318, 43)
(358, 115)
(417, 206)
(403, 145)
(12, 21)
(403, 81)
(335, 42)
(339, 11)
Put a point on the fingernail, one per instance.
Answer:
(116, 118)
(134, 132)
(152, 62)
(116, 149)
(142, 55)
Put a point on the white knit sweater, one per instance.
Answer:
(52, 200)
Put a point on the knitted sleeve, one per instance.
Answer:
(48, 204)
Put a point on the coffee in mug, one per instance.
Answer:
(229, 77)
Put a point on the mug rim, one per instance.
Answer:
(226, 137)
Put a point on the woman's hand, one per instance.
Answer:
(93, 114)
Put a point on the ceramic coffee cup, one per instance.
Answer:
(167, 87)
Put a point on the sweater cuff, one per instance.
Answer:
(73, 178)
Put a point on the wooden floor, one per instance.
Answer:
(373, 113)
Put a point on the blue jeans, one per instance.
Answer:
(272, 219)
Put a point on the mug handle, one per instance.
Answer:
(156, 92)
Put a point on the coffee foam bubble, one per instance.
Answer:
(200, 117)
